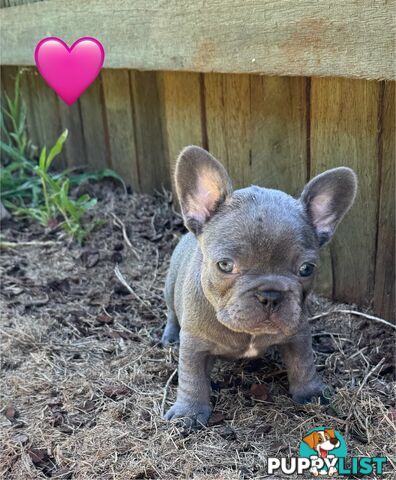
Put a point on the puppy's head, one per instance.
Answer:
(322, 441)
(259, 246)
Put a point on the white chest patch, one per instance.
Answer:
(251, 351)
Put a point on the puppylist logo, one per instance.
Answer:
(323, 451)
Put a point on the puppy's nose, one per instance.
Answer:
(269, 298)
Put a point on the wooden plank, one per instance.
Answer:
(15, 3)
(32, 107)
(238, 129)
(119, 115)
(70, 117)
(32, 97)
(95, 127)
(43, 120)
(344, 132)
(258, 127)
(182, 108)
(216, 127)
(283, 37)
(153, 166)
(279, 132)
(8, 76)
(384, 291)
(227, 104)
(46, 115)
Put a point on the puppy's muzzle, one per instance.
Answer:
(269, 298)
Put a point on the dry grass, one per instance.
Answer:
(83, 376)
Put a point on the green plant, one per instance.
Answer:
(57, 202)
(16, 179)
(28, 187)
(15, 114)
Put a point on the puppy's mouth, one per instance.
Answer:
(258, 324)
(323, 453)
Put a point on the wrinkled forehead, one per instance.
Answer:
(259, 222)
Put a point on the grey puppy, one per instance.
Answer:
(238, 281)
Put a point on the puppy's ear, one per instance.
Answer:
(330, 432)
(202, 184)
(311, 440)
(327, 198)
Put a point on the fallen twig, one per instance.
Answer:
(27, 244)
(364, 381)
(120, 224)
(354, 312)
(166, 388)
(124, 282)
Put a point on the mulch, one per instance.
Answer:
(84, 377)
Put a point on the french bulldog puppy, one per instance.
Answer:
(239, 279)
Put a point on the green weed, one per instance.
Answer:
(28, 187)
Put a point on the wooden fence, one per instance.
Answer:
(274, 131)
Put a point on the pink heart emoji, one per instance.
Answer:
(69, 71)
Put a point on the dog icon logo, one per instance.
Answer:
(323, 446)
(323, 451)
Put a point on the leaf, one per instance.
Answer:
(107, 172)
(12, 152)
(56, 149)
(42, 159)
(21, 438)
(259, 391)
(78, 179)
(42, 461)
(115, 391)
(10, 412)
(3, 128)
(11, 107)
(216, 418)
(106, 319)
(88, 203)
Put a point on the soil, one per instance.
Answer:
(84, 377)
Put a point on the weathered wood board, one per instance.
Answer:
(153, 168)
(95, 130)
(182, 113)
(46, 108)
(228, 126)
(120, 125)
(70, 118)
(344, 131)
(282, 37)
(43, 119)
(384, 289)
(280, 132)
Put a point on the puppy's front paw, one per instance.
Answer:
(170, 337)
(171, 333)
(192, 416)
(311, 391)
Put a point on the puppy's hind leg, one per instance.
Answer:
(172, 329)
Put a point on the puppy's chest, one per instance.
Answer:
(250, 348)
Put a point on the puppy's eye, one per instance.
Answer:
(320, 440)
(306, 269)
(226, 265)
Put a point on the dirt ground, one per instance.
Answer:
(83, 380)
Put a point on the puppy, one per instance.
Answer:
(323, 441)
(238, 281)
